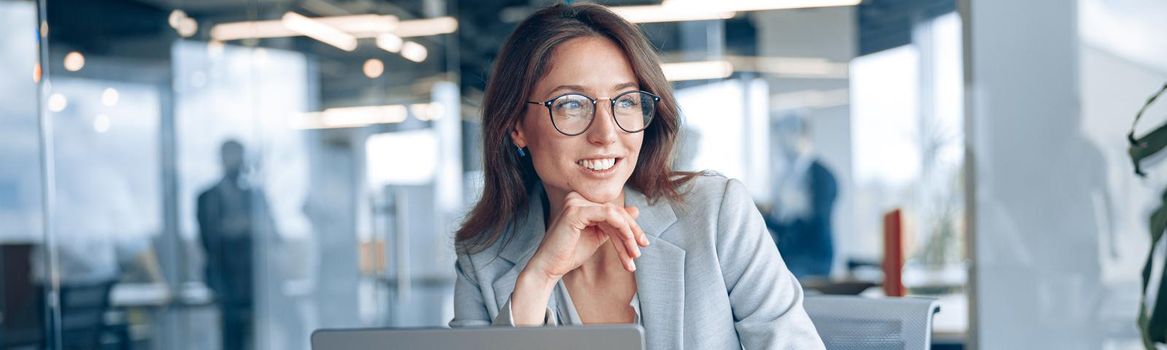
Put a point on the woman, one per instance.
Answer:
(582, 219)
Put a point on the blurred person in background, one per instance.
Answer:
(232, 215)
(803, 200)
(583, 219)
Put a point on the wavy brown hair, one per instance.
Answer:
(524, 59)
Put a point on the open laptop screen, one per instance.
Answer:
(614, 337)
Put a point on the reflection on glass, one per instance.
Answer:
(107, 206)
(231, 214)
(225, 95)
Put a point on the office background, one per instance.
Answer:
(997, 127)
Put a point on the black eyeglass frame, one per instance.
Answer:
(612, 106)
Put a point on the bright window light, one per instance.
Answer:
(885, 116)
(697, 70)
(109, 97)
(401, 158)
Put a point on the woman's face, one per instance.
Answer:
(597, 68)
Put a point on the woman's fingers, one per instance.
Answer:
(612, 222)
(616, 222)
(632, 213)
(619, 218)
(626, 258)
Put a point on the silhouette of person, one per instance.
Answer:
(804, 196)
(231, 217)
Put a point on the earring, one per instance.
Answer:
(520, 151)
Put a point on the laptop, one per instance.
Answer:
(613, 337)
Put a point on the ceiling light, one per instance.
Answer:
(694, 10)
(188, 27)
(318, 30)
(250, 30)
(389, 42)
(183, 24)
(373, 68)
(360, 26)
(426, 27)
(363, 26)
(74, 61)
(413, 51)
(175, 18)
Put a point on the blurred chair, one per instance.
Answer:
(846, 322)
(22, 324)
(83, 308)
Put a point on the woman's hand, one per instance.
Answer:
(571, 239)
(580, 229)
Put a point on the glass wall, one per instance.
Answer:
(218, 185)
(21, 181)
(1119, 68)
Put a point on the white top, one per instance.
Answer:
(572, 316)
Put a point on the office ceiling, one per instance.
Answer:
(138, 30)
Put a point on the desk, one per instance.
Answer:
(126, 295)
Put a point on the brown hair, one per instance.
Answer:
(524, 58)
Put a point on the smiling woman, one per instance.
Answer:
(579, 126)
(524, 59)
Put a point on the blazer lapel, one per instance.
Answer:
(660, 275)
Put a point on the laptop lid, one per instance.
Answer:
(613, 337)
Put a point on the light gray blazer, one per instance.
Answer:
(710, 279)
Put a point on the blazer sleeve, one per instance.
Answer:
(470, 307)
(506, 319)
(765, 297)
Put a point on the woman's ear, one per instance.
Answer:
(518, 137)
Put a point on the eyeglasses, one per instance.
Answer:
(572, 113)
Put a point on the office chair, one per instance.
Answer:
(83, 307)
(846, 322)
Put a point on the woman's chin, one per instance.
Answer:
(600, 195)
